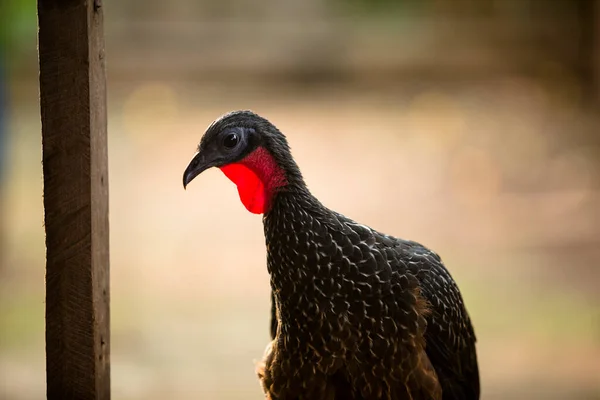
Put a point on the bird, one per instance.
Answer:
(356, 314)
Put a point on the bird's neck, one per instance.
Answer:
(293, 207)
(297, 232)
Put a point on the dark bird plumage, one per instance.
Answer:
(357, 314)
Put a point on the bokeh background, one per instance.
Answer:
(470, 126)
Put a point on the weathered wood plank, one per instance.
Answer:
(73, 110)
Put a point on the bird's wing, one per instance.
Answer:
(449, 337)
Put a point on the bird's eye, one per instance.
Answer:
(231, 140)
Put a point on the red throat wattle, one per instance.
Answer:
(257, 176)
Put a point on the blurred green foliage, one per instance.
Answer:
(18, 24)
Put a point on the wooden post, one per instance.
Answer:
(73, 110)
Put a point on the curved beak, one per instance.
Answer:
(198, 164)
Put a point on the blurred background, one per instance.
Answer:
(470, 126)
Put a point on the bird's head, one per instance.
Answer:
(251, 152)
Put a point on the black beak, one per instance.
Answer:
(198, 164)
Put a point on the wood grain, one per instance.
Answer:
(75, 166)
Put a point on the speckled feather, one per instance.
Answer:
(359, 314)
